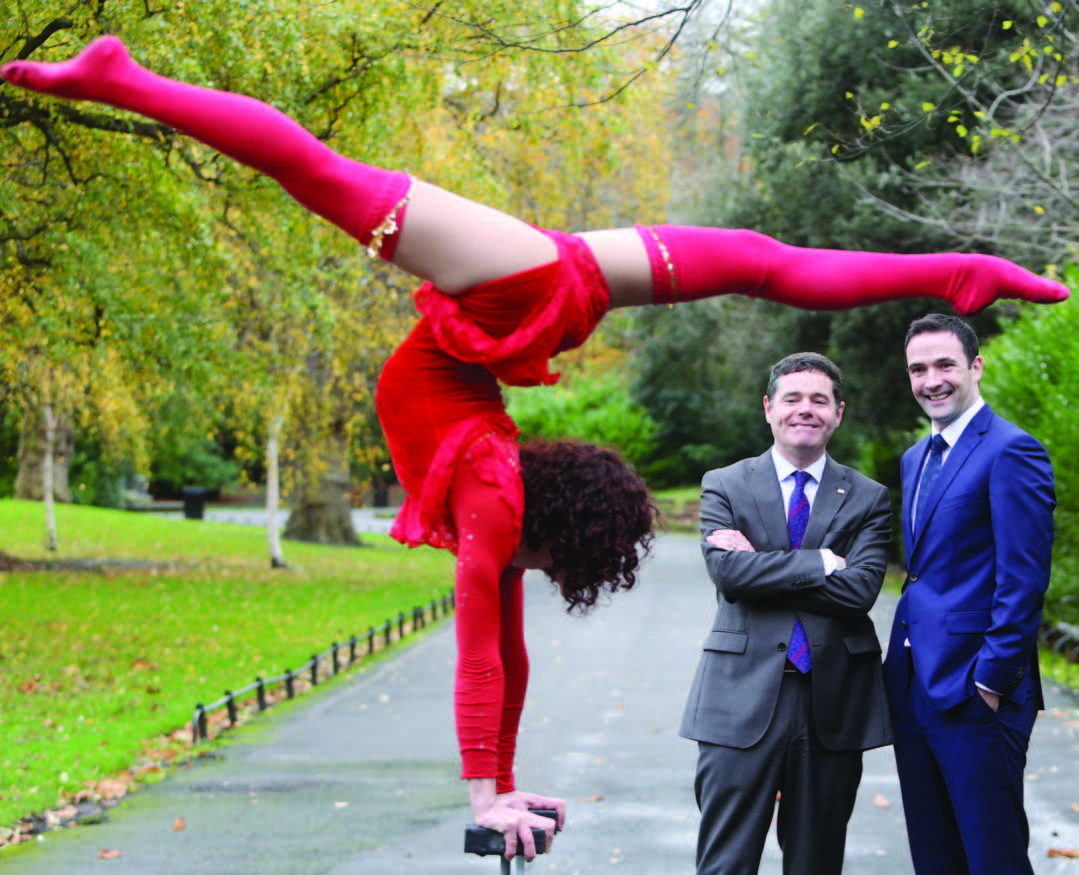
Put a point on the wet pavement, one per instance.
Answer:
(360, 777)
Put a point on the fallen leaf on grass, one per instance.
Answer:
(182, 735)
(60, 815)
(1070, 853)
(881, 802)
(113, 788)
(106, 854)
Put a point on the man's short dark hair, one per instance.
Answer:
(800, 362)
(934, 323)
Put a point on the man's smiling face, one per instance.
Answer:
(943, 383)
(803, 415)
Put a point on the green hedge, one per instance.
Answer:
(1032, 378)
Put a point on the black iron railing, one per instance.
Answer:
(321, 666)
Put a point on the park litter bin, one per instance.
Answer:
(194, 502)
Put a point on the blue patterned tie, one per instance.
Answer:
(797, 518)
(929, 476)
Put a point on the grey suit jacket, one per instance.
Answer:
(734, 692)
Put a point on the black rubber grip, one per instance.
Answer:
(483, 842)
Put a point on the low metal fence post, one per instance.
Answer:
(198, 724)
(1058, 648)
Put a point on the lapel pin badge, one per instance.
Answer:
(842, 491)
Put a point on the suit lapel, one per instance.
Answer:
(968, 441)
(832, 492)
(763, 484)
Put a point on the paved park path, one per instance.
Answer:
(359, 778)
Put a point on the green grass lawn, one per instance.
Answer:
(678, 508)
(95, 666)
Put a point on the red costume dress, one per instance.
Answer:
(455, 452)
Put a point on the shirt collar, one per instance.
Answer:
(784, 468)
(954, 430)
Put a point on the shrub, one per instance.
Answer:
(1031, 372)
(592, 408)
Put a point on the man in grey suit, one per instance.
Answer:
(789, 690)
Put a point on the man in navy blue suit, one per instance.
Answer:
(962, 666)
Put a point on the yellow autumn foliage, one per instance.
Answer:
(137, 263)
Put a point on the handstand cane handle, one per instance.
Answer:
(482, 841)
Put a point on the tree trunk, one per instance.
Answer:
(322, 497)
(30, 480)
(47, 471)
(273, 492)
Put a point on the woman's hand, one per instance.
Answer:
(509, 814)
(532, 801)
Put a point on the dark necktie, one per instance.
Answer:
(929, 476)
(797, 517)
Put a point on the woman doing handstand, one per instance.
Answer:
(501, 298)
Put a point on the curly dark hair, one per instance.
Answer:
(587, 505)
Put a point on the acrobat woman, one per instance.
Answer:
(500, 298)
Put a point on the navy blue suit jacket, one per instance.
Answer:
(977, 567)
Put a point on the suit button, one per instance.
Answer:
(904, 625)
(913, 578)
(782, 647)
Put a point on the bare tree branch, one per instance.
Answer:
(34, 42)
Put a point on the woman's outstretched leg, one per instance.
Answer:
(687, 264)
(449, 240)
(458, 244)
